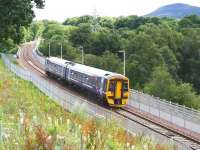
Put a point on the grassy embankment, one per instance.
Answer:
(30, 120)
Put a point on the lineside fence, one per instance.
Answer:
(171, 112)
(68, 101)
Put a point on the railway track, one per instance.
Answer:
(32, 64)
(193, 144)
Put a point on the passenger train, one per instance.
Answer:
(113, 88)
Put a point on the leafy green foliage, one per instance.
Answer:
(110, 61)
(8, 46)
(163, 85)
(14, 16)
(30, 120)
(80, 36)
(192, 21)
(148, 42)
(190, 57)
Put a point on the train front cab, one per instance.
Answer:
(117, 92)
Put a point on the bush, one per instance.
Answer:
(8, 46)
(39, 123)
(164, 86)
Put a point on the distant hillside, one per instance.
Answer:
(178, 11)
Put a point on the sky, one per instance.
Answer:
(59, 10)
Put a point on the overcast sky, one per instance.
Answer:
(59, 10)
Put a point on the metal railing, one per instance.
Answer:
(69, 101)
(171, 112)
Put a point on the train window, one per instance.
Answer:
(74, 75)
(71, 74)
(125, 86)
(79, 76)
(88, 80)
(84, 78)
(92, 82)
(112, 86)
(98, 82)
(104, 85)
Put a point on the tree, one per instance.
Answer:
(107, 22)
(80, 36)
(192, 21)
(185, 95)
(110, 62)
(92, 60)
(54, 28)
(144, 55)
(68, 51)
(190, 57)
(171, 61)
(164, 86)
(76, 21)
(163, 35)
(102, 41)
(36, 29)
(161, 83)
(14, 14)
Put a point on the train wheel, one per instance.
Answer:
(102, 101)
(48, 73)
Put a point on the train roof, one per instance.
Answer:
(59, 61)
(91, 70)
(83, 68)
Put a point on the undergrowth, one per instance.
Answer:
(29, 120)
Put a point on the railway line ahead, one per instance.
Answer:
(30, 62)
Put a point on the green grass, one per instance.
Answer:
(30, 120)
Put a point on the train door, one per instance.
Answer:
(118, 89)
(111, 89)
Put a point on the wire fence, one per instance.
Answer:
(69, 101)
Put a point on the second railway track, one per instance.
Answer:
(26, 57)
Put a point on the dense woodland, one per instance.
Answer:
(162, 54)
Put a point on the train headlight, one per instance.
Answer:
(110, 101)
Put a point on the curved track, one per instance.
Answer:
(30, 63)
